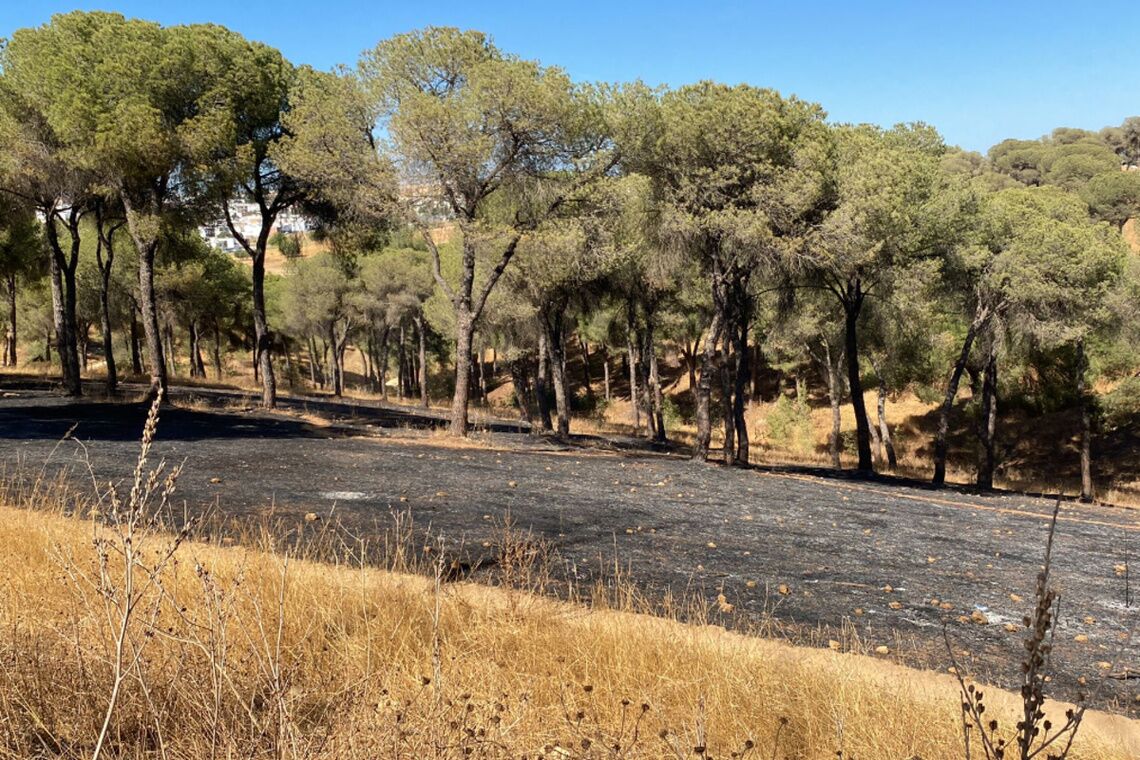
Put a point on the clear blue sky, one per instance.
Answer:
(979, 71)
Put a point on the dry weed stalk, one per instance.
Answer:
(1035, 735)
(133, 547)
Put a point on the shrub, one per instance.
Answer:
(789, 424)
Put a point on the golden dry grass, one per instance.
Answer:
(254, 654)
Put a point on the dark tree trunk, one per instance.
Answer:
(522, 390)
(105, 259)
(981, 315)
(464, 331)
(645, 392)
(422, 379)
(147, 246)
(149, 309)
(337, 359)
(313, 363)
(402, 366)
(171, 361)
(727, 384)
(366, 360)
(987, 423)
(1084, 399)
(262, 336)
(540, 389)
(835, 398)
(757, 366)
(196, 350)
(634, 401)
(136, 353)
(62, 275)
(885, 430)
(741, 377)
(853, 305)
(10, 337)
(690, 355)
(217, 350)
(554, 325)
(704, 388)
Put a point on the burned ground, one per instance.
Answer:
(811, 557)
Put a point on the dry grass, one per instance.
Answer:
(243, 652)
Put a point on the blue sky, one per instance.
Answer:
(979, 71)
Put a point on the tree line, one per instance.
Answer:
(467, 199)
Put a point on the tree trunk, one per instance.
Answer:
(853, 304)
(556, 344)
(192, 341)
(63, 299)
(757, 365)
(482, 371)
(196, 350)
(689, 354)
(149, 309)
(136, 353)
(522, 393)
(981, 315)
(987, 424)
(401, 366)
(884, 429)
(541, 392)
(704, 388)
(171, 362)
(585, 346)
(337, 375)
(634, 402)
(727, 384)
(606, 370)
(217, 350)
(655, 387)
(1084, 398)
(742, 376)
(10, 338)
(464, 330)
(835, 398)
(382, 361)
(105, 259)
(366, 360)
(262, 336)
(313, 362)
(419, 320)
(148, 306)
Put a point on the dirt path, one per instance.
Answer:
(810, 553)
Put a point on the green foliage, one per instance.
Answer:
(789, 424)
(1121, 407)
(1113, 196)
(289, 244)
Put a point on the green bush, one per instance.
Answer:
(1121, 407)
(789, 425)
(671, 412)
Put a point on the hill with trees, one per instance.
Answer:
(711, 263)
